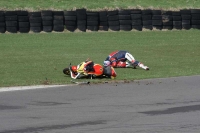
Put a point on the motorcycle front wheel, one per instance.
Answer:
(66, 71)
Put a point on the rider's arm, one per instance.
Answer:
(113, 62)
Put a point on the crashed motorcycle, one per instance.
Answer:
(97, 71)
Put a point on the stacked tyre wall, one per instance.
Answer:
(85, 20)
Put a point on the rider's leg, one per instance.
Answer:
(135, 63)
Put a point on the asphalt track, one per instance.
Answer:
(168, 105)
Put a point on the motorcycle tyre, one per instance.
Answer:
(66, 71)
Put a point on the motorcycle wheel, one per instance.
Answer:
(66, 71)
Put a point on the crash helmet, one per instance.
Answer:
(106, 63)
(74, 68)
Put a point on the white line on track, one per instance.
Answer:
(3, 89)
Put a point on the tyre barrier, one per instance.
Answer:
(83, 20)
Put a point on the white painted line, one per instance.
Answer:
(3, 89)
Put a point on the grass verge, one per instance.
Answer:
(35, 5)
(35, 59)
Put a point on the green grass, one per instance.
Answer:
(32, 5)
(35, 59)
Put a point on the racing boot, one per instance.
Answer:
(142, 66)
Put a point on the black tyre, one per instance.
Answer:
(11, 23)
(186, 11)
(146, 17)
(102, 13)
(195, 26)
(81, 28)
(167, 17)
(58, 28)
(177, 18)
(156, 22)
(149, 27)
(124, 12)
(157, 17)
(195, 16)
(46, 13)
(92, 23)
(113, 23)
(58, 17)
(93, 28)
(12, 29)
(170, 23)
(23, 24)
(36, 29)
(2, 24)
(58, 22)
(22, 13)
(71, 18)
(156, 12)
(167, 27)
(81, 17)
(71, 28)
(58, 13)
(124, 17)
(136, 16)
(112, 13)
(92, 18)
(69, 13)
(35, 24)
(195, 22)
(177, 23)
(2, 13)
(103, 23)
(113, 18)
(47, 28)
(125, 22)
(126, 27)
(195, 11)
(137, 27)
(35, 14)
(147, 22)
(2, 19)
(147, 12)
(114, 28)
(186, 17)
(35, 19)
(24, 30)
(103, 18)
(23, 18)
(47, 18)
(103, 28)
(186, 26)
(157, 27)
(66, 71)
(177, 27)
(185, 22)
(90, 13)
(81, 22)
(11, 18)
(136, 11)
(166, 12)
(47, 23)
(10, 13)
(136, 22)
(70, 23)
(2, 29)
(176, 13)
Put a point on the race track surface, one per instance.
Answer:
(168, 105)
